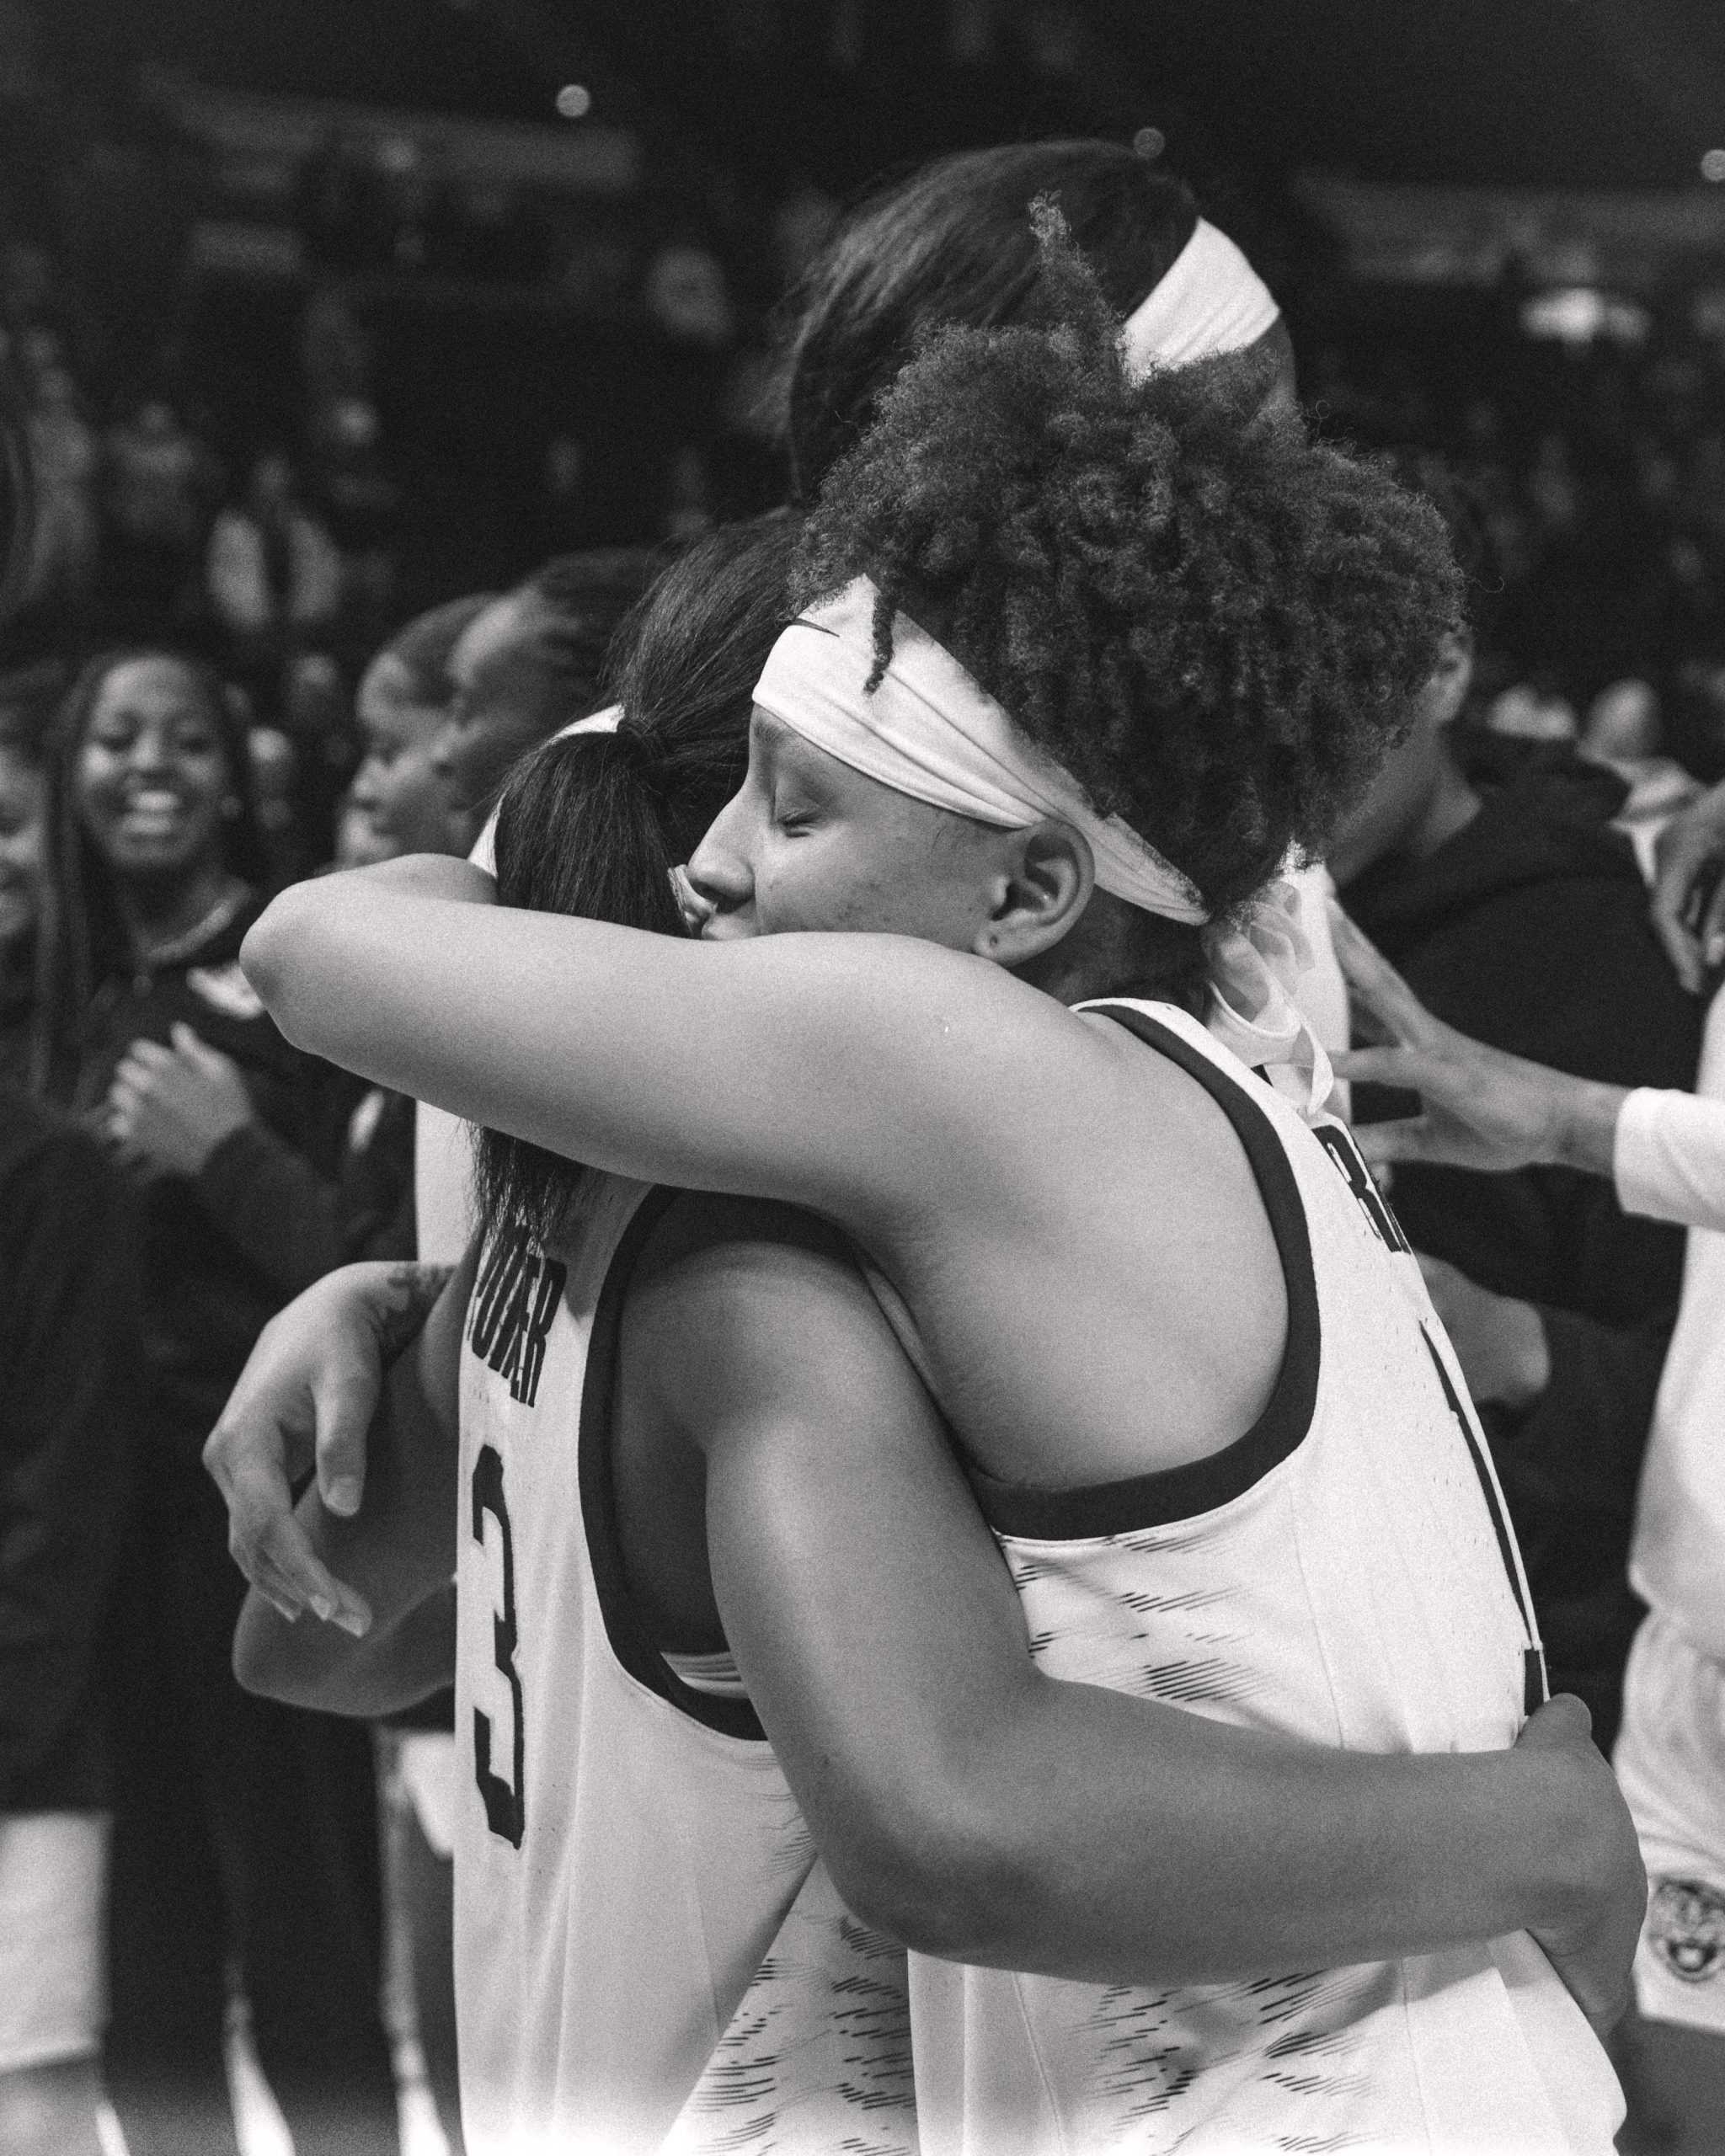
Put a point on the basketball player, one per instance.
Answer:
(1132, 1248)
(586, 825)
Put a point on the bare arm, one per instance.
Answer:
(709, 1066)
(980, 1811)
(1479, 1107)
(394, 1557)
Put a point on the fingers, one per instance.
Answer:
(1563, 1719)
(346, 1398)
(1381, 1144)
(1375, 983)
(271, 1547)
(1684, 852)
(197, 1050)
(1712, 933)
(1399, 1067)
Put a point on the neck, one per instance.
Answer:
(158, 908)
(1114, 949)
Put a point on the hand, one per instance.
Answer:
(1479, 1107)
(168, 1108)
(305, 1399)
(1591, 1942)
(1690, 845)
(1500, 1341)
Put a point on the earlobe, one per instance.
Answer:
(1049, 875)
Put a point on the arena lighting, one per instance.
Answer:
(1149, 142)
(575, 101)
(1713, 166)
(1581, 314)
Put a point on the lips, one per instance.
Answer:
(152, 811)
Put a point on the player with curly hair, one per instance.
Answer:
(1186, 1366)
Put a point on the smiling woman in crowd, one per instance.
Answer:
(243, 1831)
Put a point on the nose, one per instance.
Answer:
(152, 750)
(363, 792)
(718, 870)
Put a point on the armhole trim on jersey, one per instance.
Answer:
(1171, 1494)
(630, 1639)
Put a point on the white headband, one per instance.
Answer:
(484, 853)
(1211, 301)
(929, 730)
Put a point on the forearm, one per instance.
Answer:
(710, 1066)
(1199, 1852)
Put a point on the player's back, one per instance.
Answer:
(1343, 1573)
(640, 1916)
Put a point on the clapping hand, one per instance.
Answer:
(168, 1108)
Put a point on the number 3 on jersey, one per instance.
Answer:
(505, 1811)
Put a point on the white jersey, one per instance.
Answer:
(647, 1954)
(1344, 1573)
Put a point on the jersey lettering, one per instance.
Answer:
(515, 1300)
(1342, 1150)
(506, 1808)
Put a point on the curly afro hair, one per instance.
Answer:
(1215, 623)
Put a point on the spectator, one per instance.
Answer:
(528, 664)
(68, 1381)
(245, 1836)
(26, 706)
(1515, 910)
(65, 534)
(400, 796)
(159, 481)
(273, 574)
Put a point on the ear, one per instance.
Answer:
(1453, 675)
(1046, 876)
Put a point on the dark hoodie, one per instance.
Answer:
(1529, 929)
(209, 1285)
(68, 1379)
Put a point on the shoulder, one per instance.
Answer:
(741, 1307)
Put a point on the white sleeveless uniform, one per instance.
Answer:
(647, 1953)
(1344, 1573)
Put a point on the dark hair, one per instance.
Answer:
(952, 244)
(1216, 623)
(574, 605)
(424, 647)
(593, 824)
(29, 699)
(1468, 523)
(81, 932)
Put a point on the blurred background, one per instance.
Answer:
(445, 286)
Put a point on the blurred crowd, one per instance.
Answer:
(237, 659)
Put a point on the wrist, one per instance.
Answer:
(1583, 1124)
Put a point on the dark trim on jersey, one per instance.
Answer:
(1487, 1484)
(1171, 1494)
(631, 1641)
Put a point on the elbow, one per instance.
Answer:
(952, 1882)
(277, 947)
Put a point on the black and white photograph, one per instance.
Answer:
(862, 1078)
